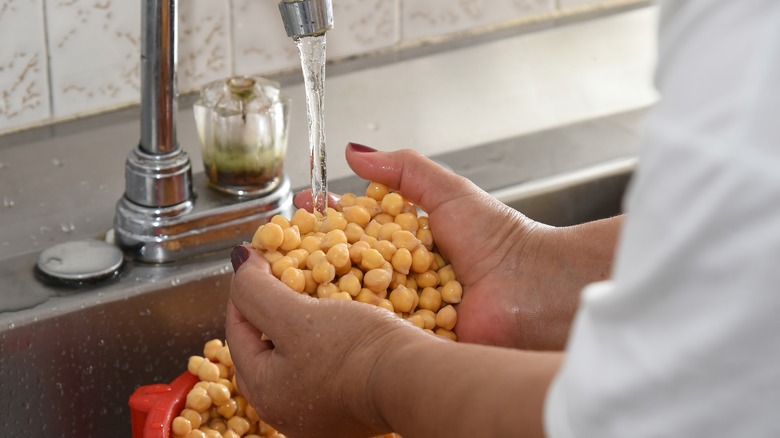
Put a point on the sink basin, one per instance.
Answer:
(77, 365)
(573, 198)
(69, 365)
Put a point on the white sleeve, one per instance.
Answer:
(684, 341)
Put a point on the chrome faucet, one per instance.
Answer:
(306, 17)
(166, 214)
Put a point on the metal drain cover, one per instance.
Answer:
(81, 260)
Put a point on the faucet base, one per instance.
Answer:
(216, 221)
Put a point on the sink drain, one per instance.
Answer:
(79, 262)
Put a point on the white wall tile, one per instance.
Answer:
(362, 26)
(422, 19)
(24, 89)
(204, 43)
(259, 41)
(94, 48)
(564, 4)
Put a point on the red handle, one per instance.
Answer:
(153, 407)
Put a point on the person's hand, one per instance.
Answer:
(313, 378)
(521, 279)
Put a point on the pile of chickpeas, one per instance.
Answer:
(214, 408)
(374, 249)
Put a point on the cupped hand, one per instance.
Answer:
(314, 377)
(521, 279)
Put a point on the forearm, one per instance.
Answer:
(429, 387)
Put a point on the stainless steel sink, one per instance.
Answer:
(69, 364)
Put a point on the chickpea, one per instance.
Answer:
(371, 204)
(392, 203)
(223, 356)
(198, 400)
(430, 299)
(408, 222)
(283, 263)
(428, 279)
(428, 317)
(424, 222)
(281, 221)
(208, 371)
(314, 258)
(334, 221)
(357, 214)
(219, 393)
(402, 260)
(447, 317)
(350, 284)
(270, 236)
(181, 426)
(405, 239)
(338, 255)
(294, 279)
(356, 251)
(426, 238)
(311, 286)
(398, 279)
(353, 232)
(239, 425)
(323, 272)
(311, 244)
(369, 239)
(209, 433)
(303, 220)
(448, 334)
(368, 296)
(372, 259)
(416, 320)
(193, 416)
(377, 279)
(446, 274)
(193, 364)
(347, 200)
(291, 238)
(384, 218)
(421, 260)
(452, 292)
(211, 347)
(228, 409)
(372, 229)
(332, 238)
(345, 296)
(386, 248)
(218, 424)
(326, 290)
(386, 304)
(387, 230)
(402, 299)
(196, 434)
(377, 190)
(273, 256)
(300, 255)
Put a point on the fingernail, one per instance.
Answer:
(238, 256)
(361, 148)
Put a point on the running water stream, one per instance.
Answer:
(312, 51)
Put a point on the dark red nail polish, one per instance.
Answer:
(239, 255)
(361, 148)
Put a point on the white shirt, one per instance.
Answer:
(684, 341)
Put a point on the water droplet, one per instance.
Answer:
(372, 126)
(57, 162)
(8, 203)
(67, 228)
(176, 281)
(3, 165)
(44, 229)
(11, 326)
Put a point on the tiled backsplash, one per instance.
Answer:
(61, 59)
